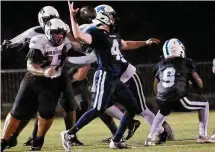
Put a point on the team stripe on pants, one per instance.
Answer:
(192, 105)
(100, 89)
(139, 89)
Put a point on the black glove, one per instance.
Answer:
(5, 45)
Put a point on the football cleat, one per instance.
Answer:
(4, 144)
(12, 142)
(149, 142)
(37, 144)
(213, 138)
(75, 142)
(204, 139)
(118, 145)
(132, 128)
(108, 140)
(162, 138)
(66, 138)
(28, 142)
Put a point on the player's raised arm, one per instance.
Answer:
(86, 38)
(131, 45)
(21, 39)
(195, 78)
(82, 60)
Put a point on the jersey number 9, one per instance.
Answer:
(168, 77)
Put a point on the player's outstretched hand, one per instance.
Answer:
(152, 40)
(72, 11)
(5, 44)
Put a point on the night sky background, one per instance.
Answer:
(191, 22)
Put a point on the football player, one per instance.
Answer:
(111, 65)
(45, 14)
(42, 84)
(132, 78)
(171, 82)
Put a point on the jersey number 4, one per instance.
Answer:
(168, 77)
(115, 51)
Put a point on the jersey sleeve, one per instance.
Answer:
(35, 53)
(191, 65)
(35, 43)
(96, 35)
(35, 56)
(28, 34)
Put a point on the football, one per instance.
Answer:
(87, 13)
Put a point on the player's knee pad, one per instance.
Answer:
(47, 105)
(47, 114)
(47, 111)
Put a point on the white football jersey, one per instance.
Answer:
(41, 43)
(52, 53)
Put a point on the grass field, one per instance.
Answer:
(185, 126)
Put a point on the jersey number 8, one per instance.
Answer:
(115, 51)
(168, 77)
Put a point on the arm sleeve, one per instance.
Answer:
(91, 58)
(35, 56)
(21, 38)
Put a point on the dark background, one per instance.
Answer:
(191, 22)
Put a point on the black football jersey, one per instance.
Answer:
(173, 75)
(107, 50)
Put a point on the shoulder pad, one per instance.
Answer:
(37, 42)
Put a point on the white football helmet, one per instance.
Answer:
(47, 13)
(104, 15)
(56, 30)
(173, 47)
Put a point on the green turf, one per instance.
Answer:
(185, 126)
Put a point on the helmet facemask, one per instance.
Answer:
(112, 21)
(57, 37)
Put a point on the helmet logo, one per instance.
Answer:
(100, 9)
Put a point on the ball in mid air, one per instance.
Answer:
(87, 13)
